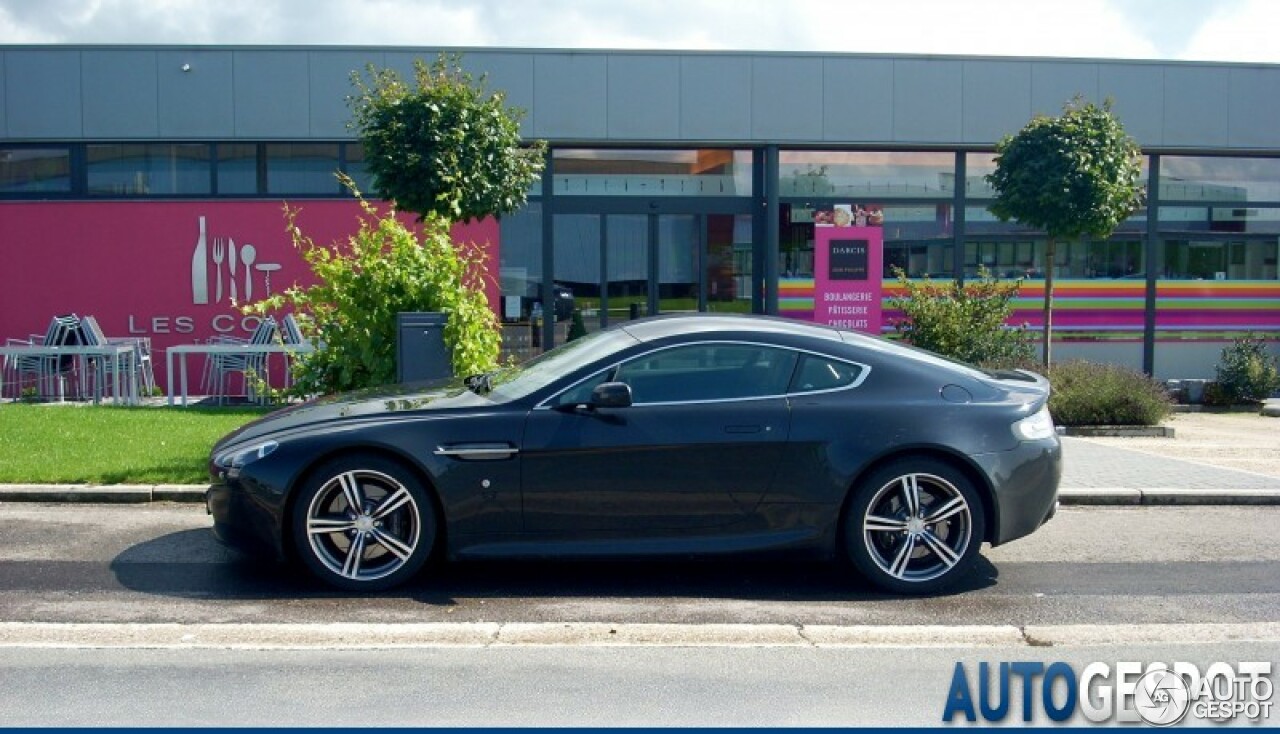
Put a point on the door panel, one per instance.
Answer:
(649, 467)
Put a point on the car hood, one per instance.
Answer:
(435, 396)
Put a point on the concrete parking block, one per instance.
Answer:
(604, 634)
(1210, 496)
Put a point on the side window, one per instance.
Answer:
(819, 373)
(581, 393)
(708, 372)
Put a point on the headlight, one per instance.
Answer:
(1034, 428)
(240, 457)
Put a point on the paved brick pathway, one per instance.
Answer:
(1089, 465)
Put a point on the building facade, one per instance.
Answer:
(676, 181)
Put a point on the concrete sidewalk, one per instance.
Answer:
(1215, 459)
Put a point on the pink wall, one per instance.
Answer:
(131, 264)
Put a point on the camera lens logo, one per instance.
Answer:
(1162, 698)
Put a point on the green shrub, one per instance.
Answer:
(383, 269)
(1246, 374)
(577, 327)
(965, 322)
(1090, 394)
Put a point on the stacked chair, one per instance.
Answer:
(103, 368)
(47, 373)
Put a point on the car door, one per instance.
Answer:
(696, 449)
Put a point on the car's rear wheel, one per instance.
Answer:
(363, 523)
(915, 526)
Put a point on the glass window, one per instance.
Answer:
(917, 238)
(356, 169)
(237, 168)
(820, 373)
(1206, 178)
(302, 168)
(31, 170)
(863, 174)
(1189, 259)
(979, 165)
(1113, 258)
(978, 220)
(703, 372)
(610, 172)
(1192, 219)
(149, 170)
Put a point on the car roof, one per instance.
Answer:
(668, 325)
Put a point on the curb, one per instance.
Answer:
(194, 493)
(349, 636)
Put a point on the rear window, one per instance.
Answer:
(816, 374)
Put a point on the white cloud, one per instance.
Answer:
(1227, 29)
(1244, 33)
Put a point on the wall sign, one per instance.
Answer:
(848, 263)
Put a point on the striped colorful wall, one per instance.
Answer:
(1113, 309)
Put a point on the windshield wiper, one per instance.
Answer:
(480, 384)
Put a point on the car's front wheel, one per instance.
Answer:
(363, 523)
(915, 526)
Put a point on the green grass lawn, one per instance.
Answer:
(76, 444)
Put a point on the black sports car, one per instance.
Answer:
(665, 436)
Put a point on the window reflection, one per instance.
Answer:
(629, 172)
(140, 170)
(31, 170)
(1210, 178)
(862, 174)
(1219, 260)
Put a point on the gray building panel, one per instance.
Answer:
(715, 98)
(72, 93)
(1053, 84)
(198, 103)
(1196, 106)
(1255, 109)
(1136, 92)
(926, 100)
(121, 98)
(510, 73)
(643, 97)
(42, 93)
(996, 100)
(272, 96)
(329, 83)
(865, 114)
(569, 96)
(787, 98)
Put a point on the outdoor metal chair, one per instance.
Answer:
(250, 364)
(104, 368)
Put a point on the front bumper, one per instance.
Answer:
(1024, 482)
(242, 521)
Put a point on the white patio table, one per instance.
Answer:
(182, 350)
(124, 357)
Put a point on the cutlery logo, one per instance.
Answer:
(223, 250)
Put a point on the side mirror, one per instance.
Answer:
(611, 395)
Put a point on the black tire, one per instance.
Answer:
(915, 551)
(395, 528)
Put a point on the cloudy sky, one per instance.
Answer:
(1218, 30)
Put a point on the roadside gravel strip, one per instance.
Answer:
(143, 493)
(344, 636)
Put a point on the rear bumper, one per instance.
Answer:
(1024, 482)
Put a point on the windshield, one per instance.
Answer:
(513, 383)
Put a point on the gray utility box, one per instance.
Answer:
(420, 350)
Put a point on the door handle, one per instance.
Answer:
(743, 429)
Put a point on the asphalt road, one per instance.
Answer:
(1095, 585)
(159, 563)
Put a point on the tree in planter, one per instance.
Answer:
(966, 321)
(443, 146)
(383, 269)
(1073, 175)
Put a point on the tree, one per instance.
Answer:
(1073, 175)
(443, 146)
